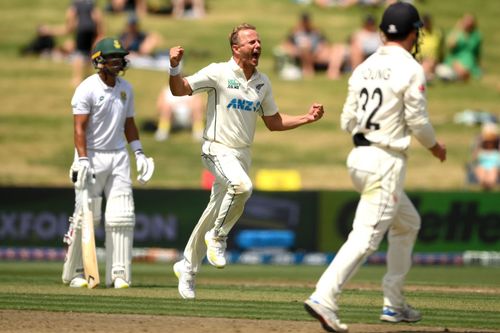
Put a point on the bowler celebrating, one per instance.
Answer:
(237, 95)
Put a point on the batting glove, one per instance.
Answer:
(81, 173)
(145, 166)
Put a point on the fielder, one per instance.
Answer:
(237, 95)
(386, 103)
(103, 110)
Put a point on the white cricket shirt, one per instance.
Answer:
(387, 101)
(108, 108)
(233, 103)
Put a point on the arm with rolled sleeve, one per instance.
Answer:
(276, 121)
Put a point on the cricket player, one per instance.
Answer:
(237, 95)
(385, 105)
(103, 111)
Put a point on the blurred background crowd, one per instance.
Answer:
(447, 54)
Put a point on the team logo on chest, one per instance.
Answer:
(243, 105)
(233, 84)
(123, 96)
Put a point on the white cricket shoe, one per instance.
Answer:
(327, 317)
(186, 280)
(120, 283)
(396, 315)
(216, 249)
(79, 282)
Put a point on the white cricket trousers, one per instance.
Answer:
(378, 175)
(231, 189)
(112, 178)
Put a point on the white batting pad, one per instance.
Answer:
(119, 242)
(120, 210)
(73, 262)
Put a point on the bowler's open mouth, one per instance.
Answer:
(256, 54)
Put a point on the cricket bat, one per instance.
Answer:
(88, 243)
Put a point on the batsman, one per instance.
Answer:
(103, 114)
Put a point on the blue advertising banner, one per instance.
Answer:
(164, 218)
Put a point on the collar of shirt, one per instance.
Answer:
(239, 71)
(105, 86)
(394, 49)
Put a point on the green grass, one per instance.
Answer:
(36, 121)
(466, 297)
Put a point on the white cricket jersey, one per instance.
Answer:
(108, 108)
(387, 102)
(233, 103)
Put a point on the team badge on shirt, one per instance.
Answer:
(233, 84)
(123, 96)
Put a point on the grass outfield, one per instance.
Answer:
(455, 297)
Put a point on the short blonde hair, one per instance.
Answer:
(234, 38)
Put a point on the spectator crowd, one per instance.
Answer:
(450, 55)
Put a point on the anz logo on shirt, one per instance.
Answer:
(243, 105)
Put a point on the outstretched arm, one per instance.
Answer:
(283, 122)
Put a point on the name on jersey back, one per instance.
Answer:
(377, 74)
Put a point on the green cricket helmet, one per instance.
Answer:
(108, 48)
